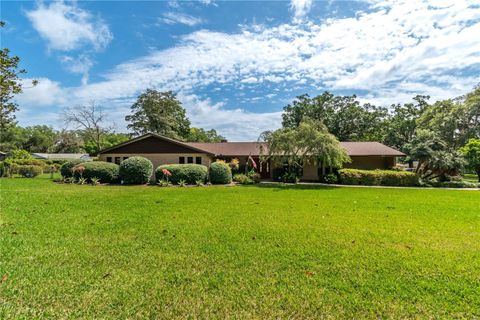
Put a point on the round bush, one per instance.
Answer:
(106, 172)
(190, 173)
(220, 173)
(29, 171)
(242, 179)
(66, 168)
(135, 170)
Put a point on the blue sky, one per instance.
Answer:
(236, 64)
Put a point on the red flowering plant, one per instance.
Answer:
(166, 174)
(78, 169)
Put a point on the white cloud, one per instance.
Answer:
(80, 64)
(300, 8)
(393, 52)
(182, 18)
(67, 27)
(45, 93)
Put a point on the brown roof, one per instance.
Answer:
(229, 148)
(370, 149)
(253, 148)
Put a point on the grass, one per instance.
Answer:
(71, 251)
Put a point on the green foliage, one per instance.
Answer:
(95, 181)
(378, 177)
(105, 172)
(453, 184)
(10, 86)
(29, 171)
(135, 170)
(67, 167)
(20, 154)
(202, 135)
(243, 179)
(343, 116)
(331, 178)
(159, 112)
(309, 142)
(471, 153)
(220, 173)
(182, 183)
(107, 139)
(190, 173)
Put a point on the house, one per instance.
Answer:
(61, 156)
(162, 150)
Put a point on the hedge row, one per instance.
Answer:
(378, 177)
(189, 173)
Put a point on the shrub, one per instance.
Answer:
(378, 177)
(220, 173)
(29, 171)
(330, 178)
(66, 168)
(454, 184)
(135, 170)
(190, 173)
(255, 176)
(242, 179)
(20, 154)
(105, 172)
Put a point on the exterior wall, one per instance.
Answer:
(310, 172)
(371, 162)
(152, 145)
(159, 158)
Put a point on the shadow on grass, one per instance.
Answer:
(283, 186)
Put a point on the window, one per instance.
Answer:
(198, 160)
(181, 159)
(190, 159)
(109, 159)
(125, 158)
(117, 160)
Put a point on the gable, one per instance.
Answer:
(151, 144)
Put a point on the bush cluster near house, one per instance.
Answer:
(378, 177)
(135, 170)
(188, 173)
(66, 170)
(105, 172)
(220, 173)
(29, 171)
(250, 178)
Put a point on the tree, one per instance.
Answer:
(68, 142)
(455, 121)
(310, 142)
(10, 85)
(434, 158)
(471, 153)
(39, 138)
(90, 119)
(159, 112)
(108, 140)
(400, 128)
(344, 116)
(202, 135)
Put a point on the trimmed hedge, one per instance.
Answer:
(378, 177)
(190, 173)
(29, 171)
(135, 170)
(66, 168)
(106, 172)
(453, 184)
(220, 173)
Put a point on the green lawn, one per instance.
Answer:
(69, 251)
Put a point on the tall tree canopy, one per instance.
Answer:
(202, 135)
(159, 112)
(309, 142)
(343, 116)
(10, 85)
